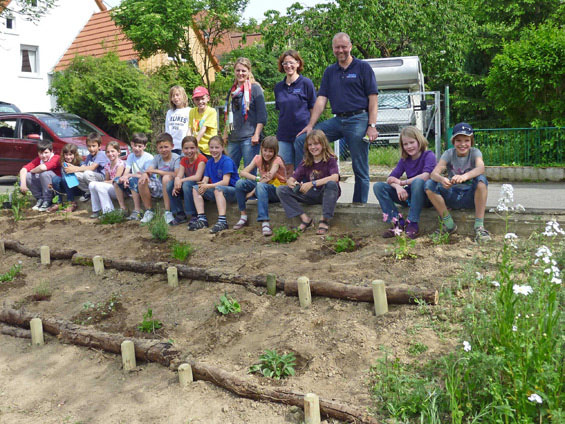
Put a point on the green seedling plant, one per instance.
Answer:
(181, 251)
(284, 234)
(228, 305)
(149, 325)
(113, 217)
(96, 312)
(42, 291)
(403, 246)
(158, 227)
(344, 244)
(274, 365)
(20, 202)
(440, 237)
(11, 273)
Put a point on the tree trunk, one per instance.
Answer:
(249, 390)
(145, 350)
(34, 253)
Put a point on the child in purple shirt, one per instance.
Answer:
(315, 181)
(417, 163)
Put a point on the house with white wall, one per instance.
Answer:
(29, 51)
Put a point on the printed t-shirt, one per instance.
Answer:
(176, 124)
(111, 171)
(209, 119)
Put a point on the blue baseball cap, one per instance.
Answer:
(462, 128)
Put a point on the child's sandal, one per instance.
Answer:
(266, 229)
(323, 230)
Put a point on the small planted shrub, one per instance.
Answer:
(181, 251)
(42, 291)
(284, 234)
(113, 217)
(20, 202)
(158, 227)
(93, 313)
(274, 365)
(344, 244)
(441, 236)
(228, 305)
(403, 247)
(11, 273)
(149, 325)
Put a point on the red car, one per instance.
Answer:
(19, 133)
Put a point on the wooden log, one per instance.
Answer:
(145, 350)
(15, 332)
(328, 408)
(395, 294)
(35, 253)
(399, 295)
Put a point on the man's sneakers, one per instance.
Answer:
(482, 235)
(147, 216)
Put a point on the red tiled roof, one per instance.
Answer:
(99, 35)
(232, 41)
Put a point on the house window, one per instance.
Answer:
(9, 23)
(30, 62)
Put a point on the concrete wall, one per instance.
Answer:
(52, 35)
(524, 173)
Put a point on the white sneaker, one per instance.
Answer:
(169, 217)
(44, 206)
(37, 205)
(147, 216)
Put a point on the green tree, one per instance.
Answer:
(112, 94)
(156, 26)
(32, 10)
(526, 81)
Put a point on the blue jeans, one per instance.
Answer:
(60, 186)
(286, 151)
(245, 149)
(264, 192)
(352, 129)
(455, 197)
(186, 195)
(387, 197)
(229, 194)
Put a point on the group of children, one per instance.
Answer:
(195, 169)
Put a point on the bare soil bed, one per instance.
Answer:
(335, 341)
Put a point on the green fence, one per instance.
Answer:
(522, 146)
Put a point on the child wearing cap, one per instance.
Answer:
(465, 186)
(203, 119)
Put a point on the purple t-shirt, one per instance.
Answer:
(318, 170)
(425, 163)
(101, 159)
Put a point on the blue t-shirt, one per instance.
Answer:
(139, 164)
(101, 159)
(216, 170)
(348, 89)
(293, 102)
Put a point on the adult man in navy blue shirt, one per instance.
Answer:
(351, 88)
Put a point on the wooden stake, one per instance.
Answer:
(311, 408)
(2, 248)
(173, 276)
(98, 263)
(304, 294)
(45, 255)
(271, 284)
(185, 375)
(36, 327)
(379, 297)
(128, 355)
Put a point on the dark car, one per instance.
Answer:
(19, 133)
(8, 107)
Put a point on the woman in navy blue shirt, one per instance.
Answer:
(295, 96)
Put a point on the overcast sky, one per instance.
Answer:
(255, 8)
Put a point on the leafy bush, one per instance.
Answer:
(158, 226)
(111, 93)
(344, 244)
(228, 305)
(274, 365)
(181, 251)
(113, 217)
(149, 325)
(284, 234)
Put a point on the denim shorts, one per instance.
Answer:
(155, 186)
(229, 194)
(457, 197)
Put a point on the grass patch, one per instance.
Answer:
(42, 291)
(181, 250)
(113, 217)
(158, 226)
(284, 234)
(384, 156)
